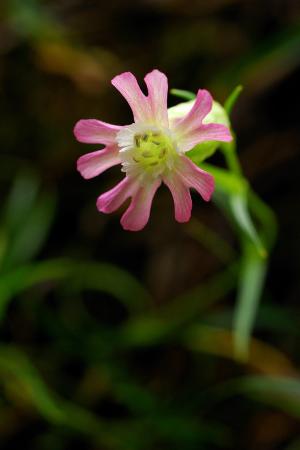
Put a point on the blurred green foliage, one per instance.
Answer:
(156, 340)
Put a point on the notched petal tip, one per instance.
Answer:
(224, 133)
(188, 124)
(111, 200)
(157, 85)
(137, 214)
(126, 83)
(181, 197)
(194, 177)
(204, 92)
(102, 205)
(131, 226)
(205, 100)
(121, 77)
(216, 132)
(184, 218)
(156, 74)
(81, 168)
(210, 188)
(77, 128)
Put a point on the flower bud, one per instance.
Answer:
(217, 115)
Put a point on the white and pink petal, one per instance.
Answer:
(193, 119)
(93, 131)
(92, 164)
(204, 133)
(181, 196)
(194, 177)
(137, 215)
(157, 85)
(128, 86)
(115, 197)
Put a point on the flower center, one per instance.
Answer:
(151, 149)
(146, 151)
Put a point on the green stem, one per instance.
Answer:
(254, 267)
(266, 217)
(232, 161)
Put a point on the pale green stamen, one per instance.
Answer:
(152, 149)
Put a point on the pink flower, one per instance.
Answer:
(151, 150)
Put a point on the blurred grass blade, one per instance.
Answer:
(31, 19)
(14, 364)
(26, 219)
(181, 93)
(102, 277)
(18, 280)
(21, 199)
(113, 280)
(186, 308)
(210, 240)
(281, 392)
(231, 100)
(251, 282)
(30, 236)
(3, 245)
(278, 319)
(220, 342)
(24, 383)
(271, 60)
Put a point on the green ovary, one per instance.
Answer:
(153, 150)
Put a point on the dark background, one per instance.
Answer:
(90, 357)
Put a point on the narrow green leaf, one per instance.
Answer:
(235, 189)
(30, 235)
(16, 281)
(181, 93)
(17, 371)
(186, 308)
(281, 392)
(99, 276)
(230, 154)
(240, 212)
(266, 63)
(21, 199)
(264, 214)
(211, 240)
(251, 282)
(232, 98)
